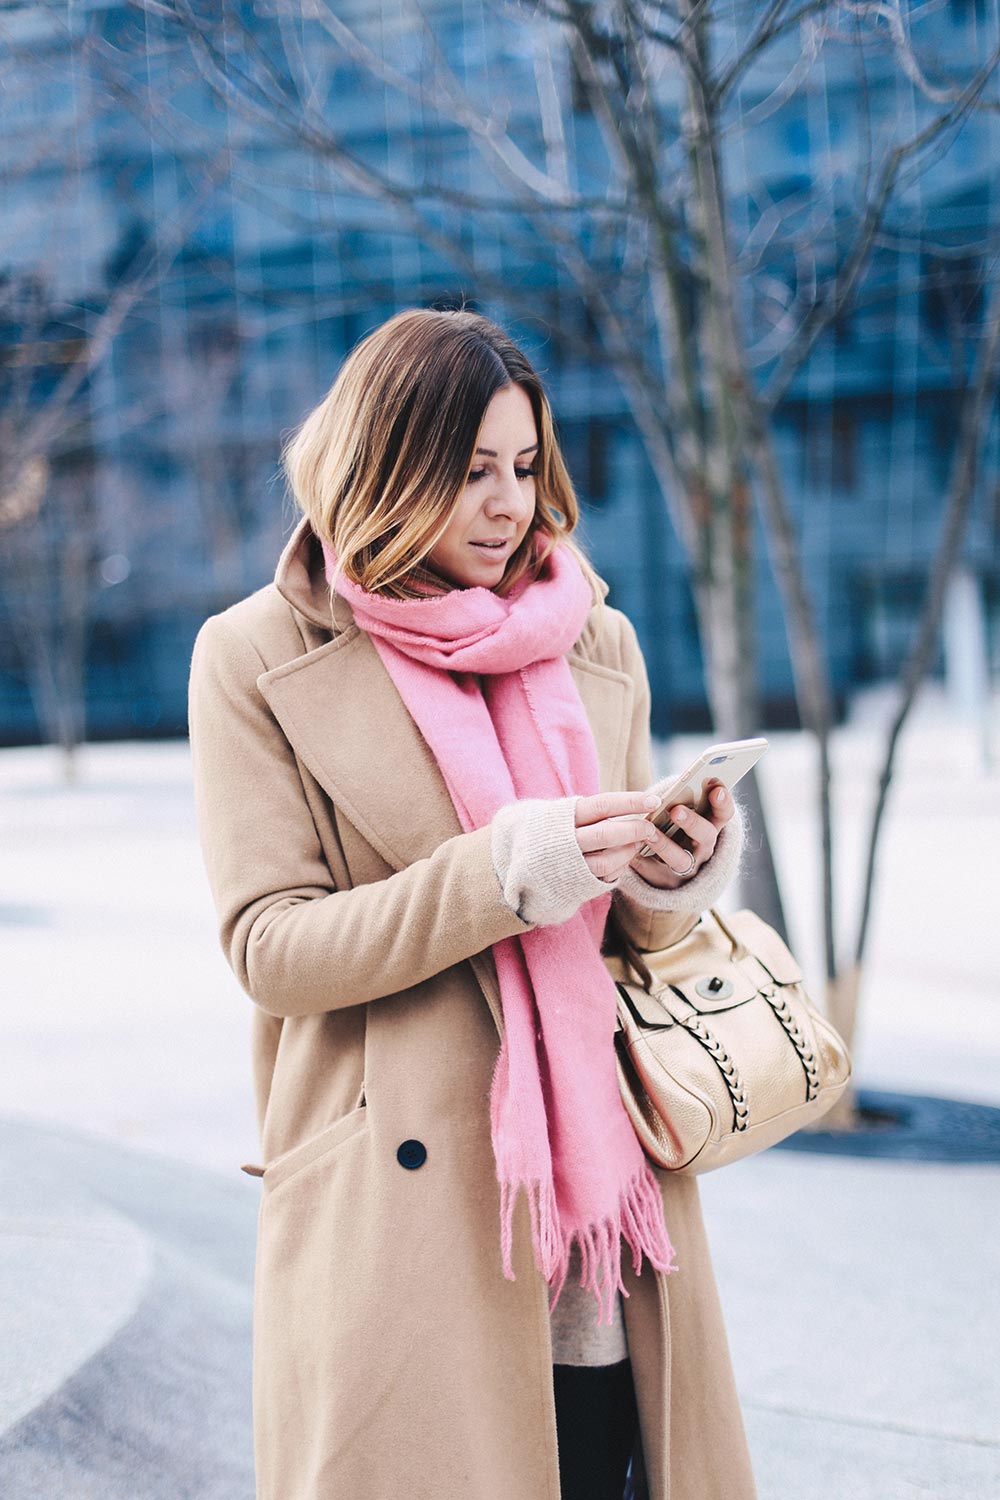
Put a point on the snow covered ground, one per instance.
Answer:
(121, 1017)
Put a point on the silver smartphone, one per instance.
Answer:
(726, 763)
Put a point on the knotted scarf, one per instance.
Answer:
(559, 1129)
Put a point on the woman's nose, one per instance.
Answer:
(509, 497)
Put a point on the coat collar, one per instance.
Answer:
(339, 709)
(300, 578)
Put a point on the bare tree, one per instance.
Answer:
(844, 973)
(49, 537)
(58, 327)
(606, 148)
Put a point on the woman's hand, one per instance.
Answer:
(665, 867)
(611, 829)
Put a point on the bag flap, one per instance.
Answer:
(704, 968)
(723, 961)
(645, 1009)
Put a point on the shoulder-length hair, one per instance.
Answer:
(380, 463)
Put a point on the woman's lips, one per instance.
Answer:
(492, 546)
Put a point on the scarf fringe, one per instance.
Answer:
(639, 1222)
(544, 1216)
(643, 1224)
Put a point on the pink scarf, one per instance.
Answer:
(559, 1128)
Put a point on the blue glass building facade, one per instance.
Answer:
(165, 473)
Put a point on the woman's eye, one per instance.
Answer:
(475, 474)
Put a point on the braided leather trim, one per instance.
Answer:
(779, 1005)
(730, 1074)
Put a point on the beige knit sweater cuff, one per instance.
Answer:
(539, 864)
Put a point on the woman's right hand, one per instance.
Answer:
(612, 827)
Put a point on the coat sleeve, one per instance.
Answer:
(652, 918)
(297, 945)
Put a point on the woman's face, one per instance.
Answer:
(496, 506)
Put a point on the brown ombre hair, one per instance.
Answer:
(380, 463)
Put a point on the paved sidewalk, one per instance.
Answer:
(124, 1323)
(864, 1317)
(861, 1296)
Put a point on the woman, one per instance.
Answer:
(421, 763)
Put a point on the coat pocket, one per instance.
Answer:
(294, 1160)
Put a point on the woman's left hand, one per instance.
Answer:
(663, 869)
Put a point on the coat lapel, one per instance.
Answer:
(340, 711)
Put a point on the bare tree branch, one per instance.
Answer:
(891, 12)
(822, 312)
(39, 429)
(773, 24)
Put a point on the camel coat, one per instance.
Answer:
(392, 1360)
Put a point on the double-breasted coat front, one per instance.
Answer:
(392, 1359)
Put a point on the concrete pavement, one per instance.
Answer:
(863, 1310)
(124, 1323)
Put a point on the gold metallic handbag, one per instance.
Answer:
(724, 1054)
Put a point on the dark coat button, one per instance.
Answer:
(412, 1154)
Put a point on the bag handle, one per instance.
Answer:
(740, 949)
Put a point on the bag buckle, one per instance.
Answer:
(714, 988)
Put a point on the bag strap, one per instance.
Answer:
(740, 949)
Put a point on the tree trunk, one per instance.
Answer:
(725, 568)
(724, 598)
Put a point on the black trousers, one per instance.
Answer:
(597, 1427)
